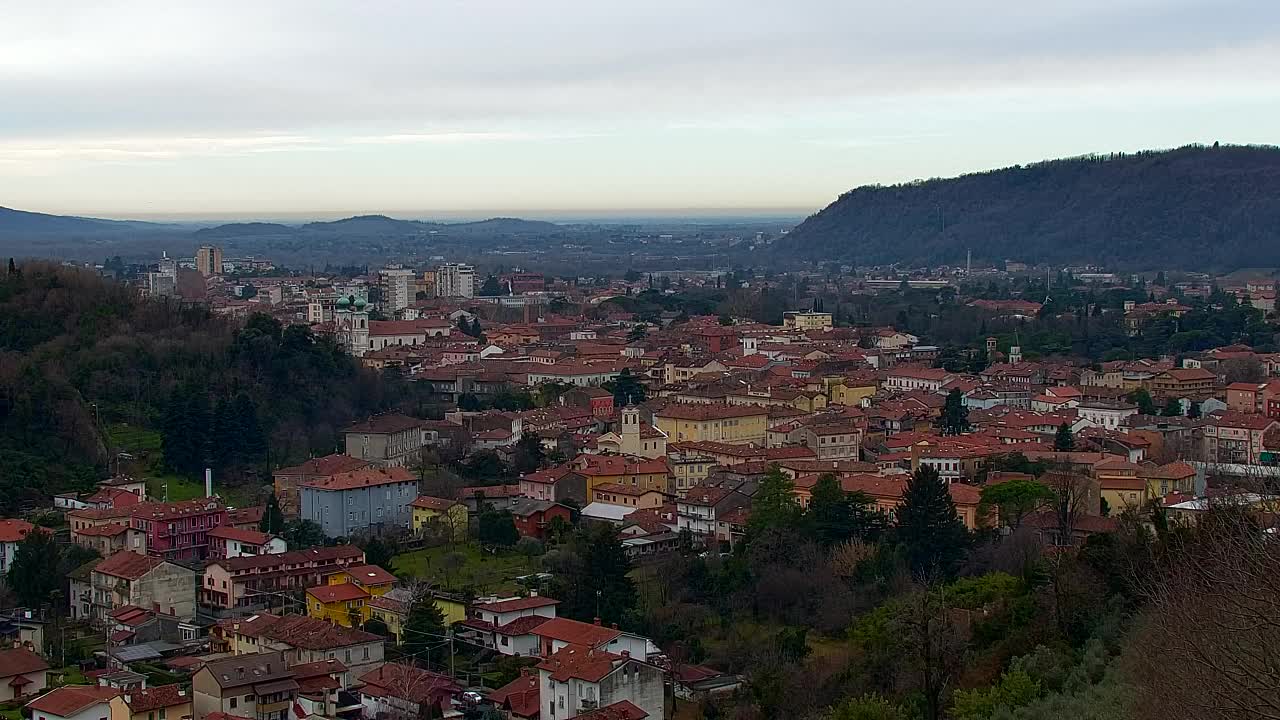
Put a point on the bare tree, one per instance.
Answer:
(934, 636)
(1215, 616)
(1075, 495)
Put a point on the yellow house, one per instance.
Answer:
(1174, 477)
(848, 391)
(433, 514)
(393, 610)
(733, 424)
(636, 472)
(343, 604)
(162, 702)
(344, 599)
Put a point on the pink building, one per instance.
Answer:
(179, 530)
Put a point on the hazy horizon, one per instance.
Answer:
(321, 109)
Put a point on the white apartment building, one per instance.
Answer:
(455, 280)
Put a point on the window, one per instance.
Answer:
(347, 656)
(233, 703)
(366, 652)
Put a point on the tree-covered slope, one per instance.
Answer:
(1190, 208)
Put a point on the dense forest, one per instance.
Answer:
(1190, 208)
(80, 354)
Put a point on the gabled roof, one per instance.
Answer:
(128, 565)
(427, 502)
(520, 696)
(19, 661)
(364, 477)
(69, 700)
(383, 424)
(154, 698)
(342, 592)
(621, 710)
(577, 633)
(579, 662)
(248, 537)
(370, 575)
(516, 604)
(327, 465)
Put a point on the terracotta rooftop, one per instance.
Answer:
(520, 696)
(248, 537)
(577, 633)
(710, 411)
(621, 710)
(370, 575)
(18, 661)
(384, 424)
(342, 592)
(427, 502)
(579, 662)
(127, 565)
(364, 477)
(154, 698)
(516, 604)
(70, 700)
(327, 465)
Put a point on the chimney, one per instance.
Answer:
(626, 653)
(208, 482)
(613, 625)
(597, 621)
(533, 593)
(128, 698)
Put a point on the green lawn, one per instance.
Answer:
(133, 439)
(477, 569)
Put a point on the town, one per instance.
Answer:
(560, 458)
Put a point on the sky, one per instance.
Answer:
(133, 108)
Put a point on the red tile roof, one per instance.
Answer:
(370, 575)
(579, 662)
(302, 631)
(522, 625)
(128, 565)
(426, 502)
(69, 700)
(520, 696)
(327, 465)
(104, 530)
(577, 633)
(343, 592)
(364, 477)
(709, 411)
(384, 424)
(154, 698)
(19, 661)
(621, 710)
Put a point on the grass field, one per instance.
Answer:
(476, 569)
(145, 444)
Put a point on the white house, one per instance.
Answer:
(577, 679)
(22, 672)
(11, 533)
(73, 702)
(1103, 414)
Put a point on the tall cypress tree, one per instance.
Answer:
(252, 441)
(929, 527)
(1063, 440)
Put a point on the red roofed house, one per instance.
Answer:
(403, 691)
(22, 672)
(578, 680)
(288, 479)
(239, 582)
(1178, 383)
(171, 702)
(11, 533)
(73, 702)
(367, 499)
(509, 625)
(127, 578)
(1236, 438)
(178, 530)
(229, 542)
(519, 698)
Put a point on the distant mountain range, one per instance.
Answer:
(1192, 208)
(20, 221)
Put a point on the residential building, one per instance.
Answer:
(401, 333)
(531, 517)
(733, 424)
(403, 692)
(578, 680)
(634, 438)
(230, 542)
(508, 625)
(1236, 438)
(454, 280)
(702, 507)
(301, 639)
(518, 699)
(1103, 414)
(396, 283)
(627, 496)
(288, 479)
(834, 441)
(127, 578)
(209, 260)
(366, 500)
(389, 440)
(343, 599)
(12, 532)
(637, 472)
(1178, 383)
(439, 517)
(917, 378)
(392, 609)
(259, 686)
(73, 702)
(318, 686)
(161, 702)
(22, 673)
(178, 530)
(249, 580)
(807, 320)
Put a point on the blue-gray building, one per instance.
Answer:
(370, 499)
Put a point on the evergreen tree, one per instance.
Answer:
(1142, 398)
(529, 454)
(774, 504)
(928, 527)
(830, 518)
(1193, 411)
(476, 330)
(627, 389)
(224, 445)
(34, 575)
(595, 581)
(955, 416)
(1172, 408)
(272, 518)
(497, 528)
(251, 441)
(424, 627)
(378, 552)
(1064, 440)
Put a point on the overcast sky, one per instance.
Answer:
(131, 107)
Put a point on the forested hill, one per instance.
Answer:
(79, 354)
(1192, 208)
